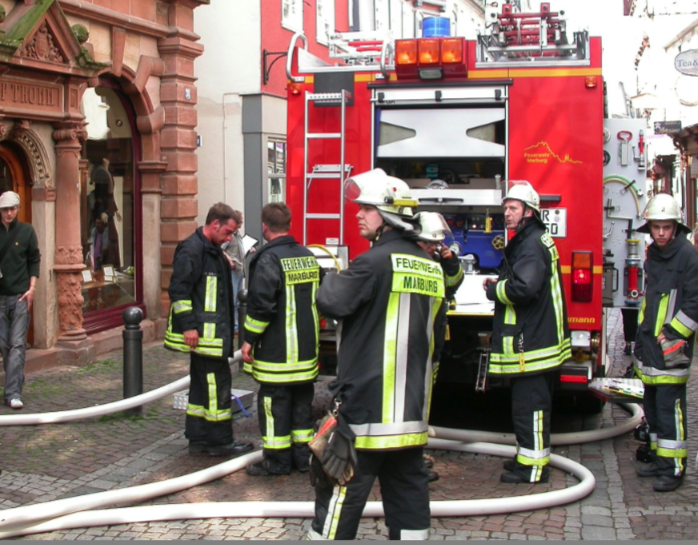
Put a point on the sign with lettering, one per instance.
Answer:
(555, 220)
(686, 62)
(667, 127)
(23, 95)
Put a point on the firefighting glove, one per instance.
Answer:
(673, 351)
(340, 458)
(318, 477)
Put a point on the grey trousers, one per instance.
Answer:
(14, 324)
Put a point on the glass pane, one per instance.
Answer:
(280, 157)
(271, 157)
(108, 203)
(5, 177)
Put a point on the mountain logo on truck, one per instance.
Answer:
(541, 153)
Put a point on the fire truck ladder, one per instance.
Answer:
(338, 172)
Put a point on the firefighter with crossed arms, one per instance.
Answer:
(666, 338)
(280, 351)
(390, 303)
(530, 337)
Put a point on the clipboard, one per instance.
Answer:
(248, 243)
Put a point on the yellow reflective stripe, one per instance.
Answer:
(453, 280)
(195, 410)
(532, 355)
(285, 378)
(211, 293)
(291, 329)
(212, 395)
(212, 352)
(501, 292)
(557, 302)
(268, 418)
(672, 453)
(661, 314)
(535, 462)
(302, 436)
(680, 328)
(316, 318)
(369, 442)
(389, 356)
(538, 425)
(247, 368)
(653, 380)
(334, 512)
(255, 326)
(641, 314)
(210, 331)
(413, 274)
(503, 364)
(276, 443)
(509, 315)
(199, 411)
(507, 346)
(182, 306)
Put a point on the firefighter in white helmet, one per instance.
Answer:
(530, 337)
(666, 338)
(390, 302)
(434, 230)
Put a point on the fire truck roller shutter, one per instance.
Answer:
(440, 132)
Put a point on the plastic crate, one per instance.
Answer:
(180, 399)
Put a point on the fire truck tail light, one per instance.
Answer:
(295, 88)
(406, 52)
(428, 52)
(590, 82)
(582, 277)
(451, 51)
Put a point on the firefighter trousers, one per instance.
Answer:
(209, 414)
(404, 482)
(665, 410)
(286, 425)
(531, 407)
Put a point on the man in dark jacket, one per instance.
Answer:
(281, 343)
(666, 338)
(19, 265)
(201, 323)
(390, 303)
(530, 337)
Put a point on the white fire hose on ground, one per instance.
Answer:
(86, 511)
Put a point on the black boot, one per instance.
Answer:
(667, 483)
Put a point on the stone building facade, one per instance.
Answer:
(97, 135)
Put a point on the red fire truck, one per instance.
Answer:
(457, 119)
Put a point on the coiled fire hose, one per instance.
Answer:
(87, 511)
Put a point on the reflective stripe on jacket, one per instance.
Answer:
(200, 298)
(530, 331)
(282, 323)
(670, 307)
(390, 302)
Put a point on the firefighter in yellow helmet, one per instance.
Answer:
(530, 337)
(390, 303)
(666, 338)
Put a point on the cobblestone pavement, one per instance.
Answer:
(43, 463)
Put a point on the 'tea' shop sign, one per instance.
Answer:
(686, 62)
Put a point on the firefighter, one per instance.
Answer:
(665, 340)
(200, 323)
(433, 232)
(281, 343)
(431, 236)
(530, 337)
(390, 302)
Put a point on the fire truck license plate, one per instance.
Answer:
(555, 220)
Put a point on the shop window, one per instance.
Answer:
(276, 170)
(325, 20)
(109, 208)
(292, 15)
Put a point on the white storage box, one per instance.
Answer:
(180, 399)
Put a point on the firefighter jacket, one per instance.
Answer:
(670, 306)
(530, 332)
(201, 297)
(390, 302)
(282, 322)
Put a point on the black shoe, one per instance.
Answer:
(433, 476)
(509, 465)
(513, 478)
(231, 449)
(649, 471)
(666, 483)
(261, 470)
(197, 447)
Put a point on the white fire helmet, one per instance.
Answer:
(663, 207)
(434, 227)
(390, 195)
(523, 191)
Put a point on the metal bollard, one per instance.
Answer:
(242, 314)
(133, 356)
